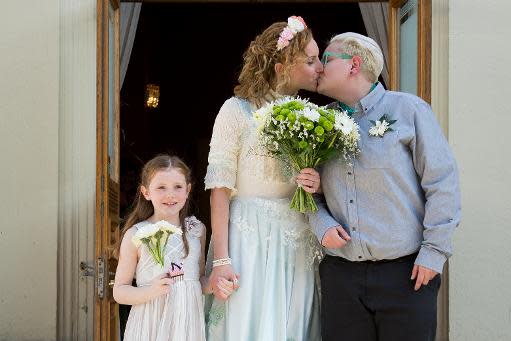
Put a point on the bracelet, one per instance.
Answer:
(222, 261)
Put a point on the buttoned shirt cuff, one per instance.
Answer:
(431, 259)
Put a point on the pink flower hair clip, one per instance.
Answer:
(294, 25)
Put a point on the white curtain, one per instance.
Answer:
(375, 16)
(130, 12)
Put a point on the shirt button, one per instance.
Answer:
(351, 201)
(354, 228)
(359, 257)
(349, 173)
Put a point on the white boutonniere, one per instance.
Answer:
(381, 126)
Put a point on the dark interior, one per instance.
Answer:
(194, 53)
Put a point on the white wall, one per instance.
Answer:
(77, 168)
(479, 122)
(29, 100)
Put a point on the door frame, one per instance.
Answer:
(107, 220)
(423, 45)
(103, 311)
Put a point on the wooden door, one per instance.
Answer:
(106, 315)
(410, 47)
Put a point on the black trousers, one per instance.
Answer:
(365, 301)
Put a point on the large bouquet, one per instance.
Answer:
(306, 135)
(155, 237)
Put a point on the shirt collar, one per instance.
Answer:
(373, 97)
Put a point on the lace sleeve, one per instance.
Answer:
(225, 146)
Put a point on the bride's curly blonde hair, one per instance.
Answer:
(258, 75)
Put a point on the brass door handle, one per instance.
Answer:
(111, 279)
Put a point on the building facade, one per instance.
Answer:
(48, 134)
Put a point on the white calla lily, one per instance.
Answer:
(155, 237)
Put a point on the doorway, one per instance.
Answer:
(193, 53)
(193, 56)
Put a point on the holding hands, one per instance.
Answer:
(223, 281)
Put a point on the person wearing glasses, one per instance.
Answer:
(385, 218)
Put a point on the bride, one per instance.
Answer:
(264, 249)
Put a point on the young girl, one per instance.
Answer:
(164, 307)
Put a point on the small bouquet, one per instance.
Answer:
(306, 135)
(155, 237)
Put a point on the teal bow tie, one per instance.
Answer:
(349, 110)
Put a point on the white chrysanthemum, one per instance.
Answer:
(373, 131)
(262, 113)
(283, 100)
(355, 135)
(383, 127)
(314, 106)
(344, 123)
(311, 114)
(304, 101)
(287, 99)
(379, 128)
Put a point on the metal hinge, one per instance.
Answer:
(101, 278)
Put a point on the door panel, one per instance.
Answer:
(408, 43)
(410, 47)
(106, 316)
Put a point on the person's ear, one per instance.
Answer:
(356, 65)
(145, 192)
(188, 189)
(279, 67)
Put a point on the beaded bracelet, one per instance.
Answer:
(222, 261)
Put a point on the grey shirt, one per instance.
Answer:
(401, 194)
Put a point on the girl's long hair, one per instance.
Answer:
(142, 209)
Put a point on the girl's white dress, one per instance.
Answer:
(271, 246)
(179, 315)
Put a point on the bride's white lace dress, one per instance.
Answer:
(272, 247)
